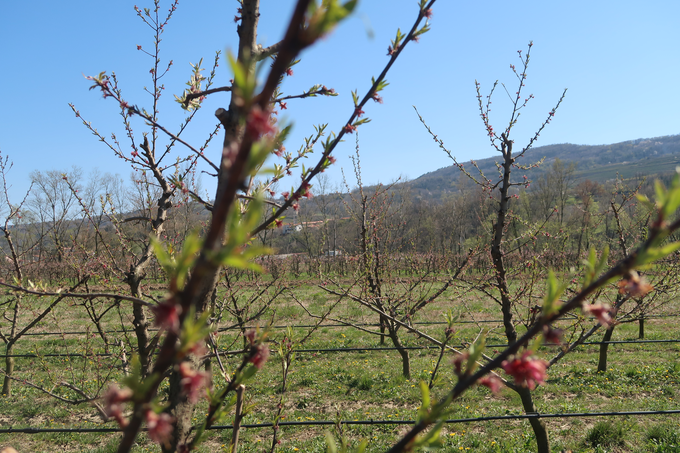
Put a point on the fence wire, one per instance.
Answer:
(307, 326)
(29, 430)
(357, 349)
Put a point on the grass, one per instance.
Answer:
(366, 385)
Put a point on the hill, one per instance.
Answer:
(634, 158)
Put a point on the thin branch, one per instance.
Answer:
(192, 96)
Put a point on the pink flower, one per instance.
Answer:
(192, 381)
(526, 370)
(458, 363)
(358, 112)
(289, 72)
(258, 123)
(167, 315)
(259, 355)
(377, 98)
(600, 311)
(113, 399)
(279, 223)
(552, 335)
(349, 129)
(259, 352)
(428, 13)
(634, 285)
(491, 382)
(285, 195)
(283, 105)
(139, 47)
(305, 190)
(159, 426)
(325, 91)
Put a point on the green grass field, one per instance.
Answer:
(363, 385)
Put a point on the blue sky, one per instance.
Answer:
(620, 61)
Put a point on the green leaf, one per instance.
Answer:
(162, 256)
(424, 409)
(553, 292)
(652, 254)
(238, 70)
(331, 447)
(190, 249)
(475, 352)
(431, 439)
(536, 343)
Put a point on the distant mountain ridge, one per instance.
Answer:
(599, 163)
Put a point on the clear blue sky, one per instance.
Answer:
(620, 61)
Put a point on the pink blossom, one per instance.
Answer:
(358, 112)
(428, 13)
(159, 426)
(600, 311)
(349, 129)
(377, 98)
(458, 363)
(491, 382)
(192, 381)
(552, 335)
(259, 355)
(289, 72)
(259, 352)
(167, 315)
(526, 370)
(634, 285)
(258, 123)
(113, 399)
(305, 190)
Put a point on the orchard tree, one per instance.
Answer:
(500, 190)
(250, 137)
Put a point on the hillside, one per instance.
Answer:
(599, 163)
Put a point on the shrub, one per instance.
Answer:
(663, 438)
(606, 434)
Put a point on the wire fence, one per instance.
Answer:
(348, 350)
(307, 326)
(30, 430)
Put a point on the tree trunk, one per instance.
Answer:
(540, 431)
(403, 352)
(641, 327)
(383, 321)
(140, 322)
(9, 370)
(181, 408)
(602, 363)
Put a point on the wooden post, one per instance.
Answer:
(240, 390)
